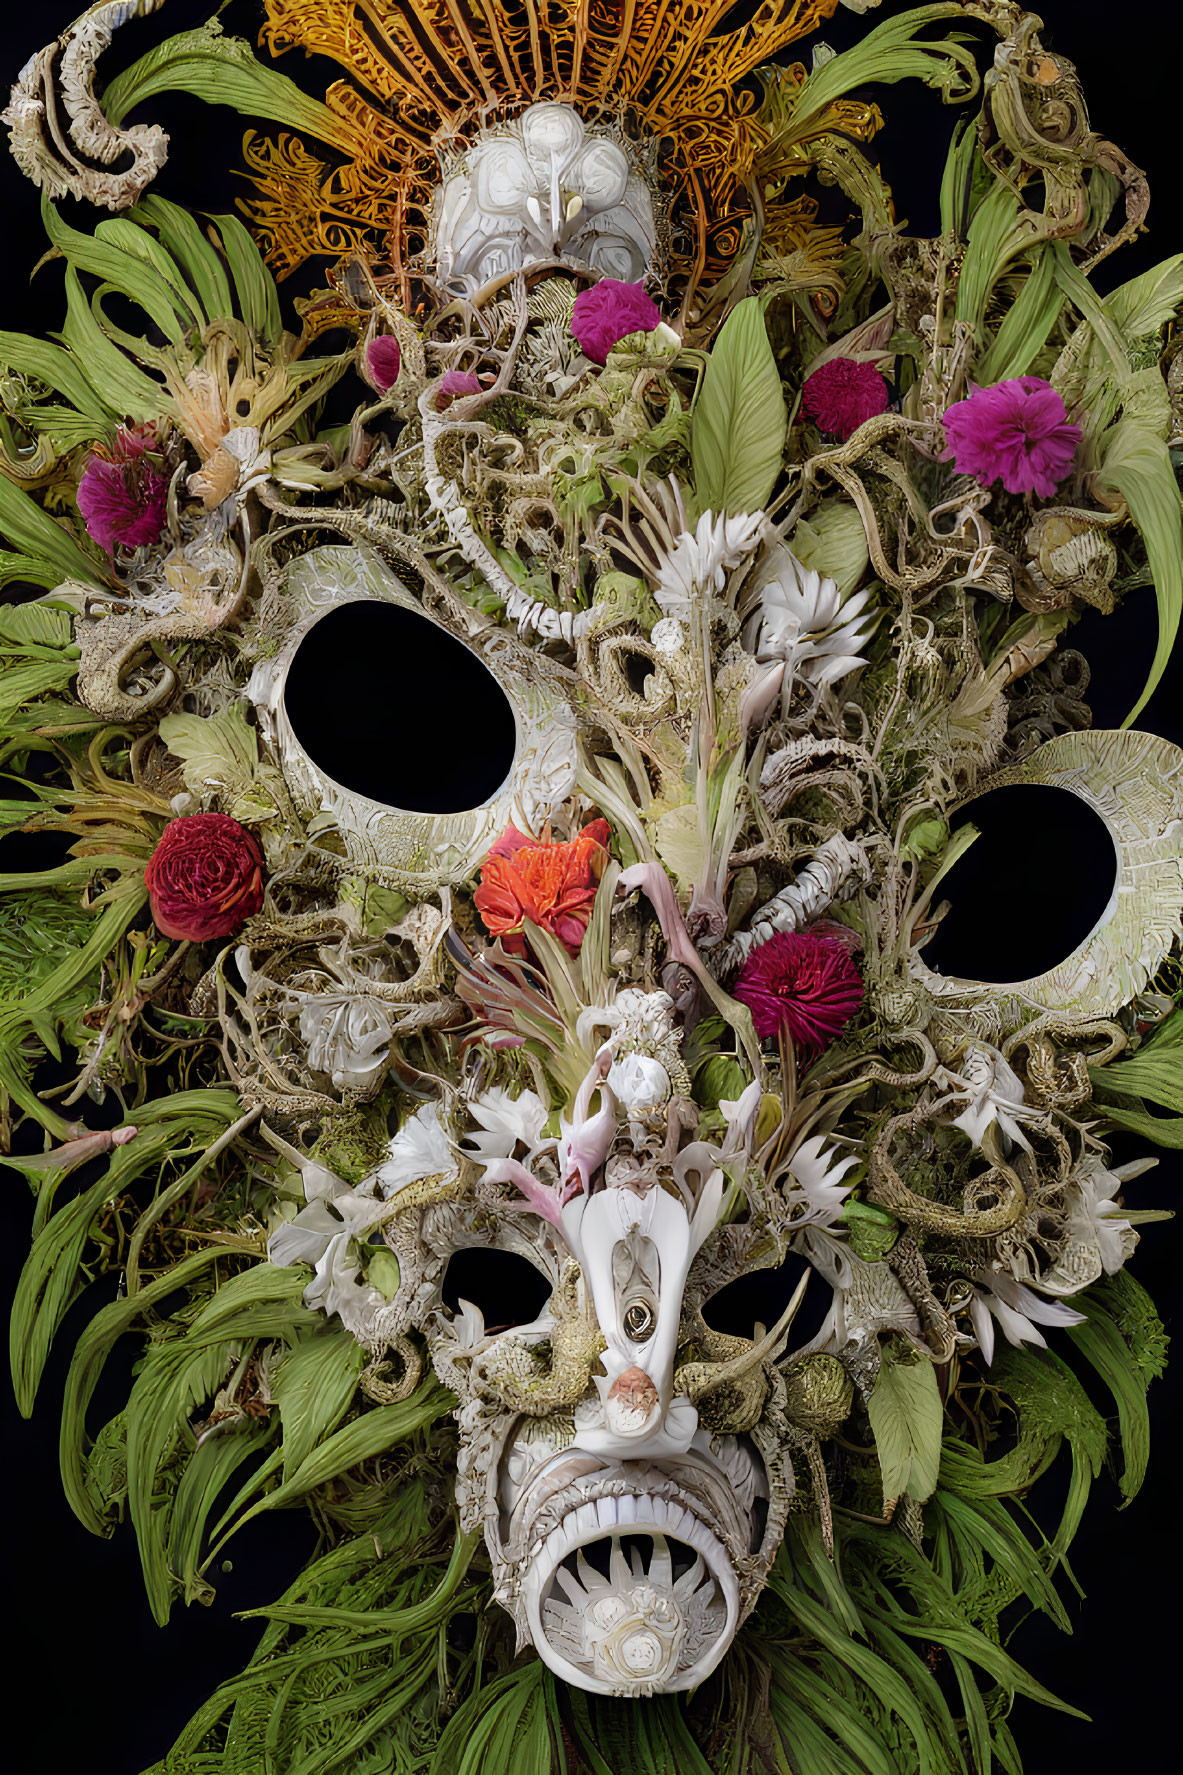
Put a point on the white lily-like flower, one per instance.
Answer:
(1018, 1309)
(1097, 1186)
(1096, 1235)
(818, 1169)
(698, 565)
(468, 1328)
(347, 1035)
(804, 621)
(505, 1121)
(331, 1207)
(421, 1148)
(337, 1287)
(994, 1093)
(322, 1235)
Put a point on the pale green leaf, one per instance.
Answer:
(181, 234)
(121, 232)
(1149, 302)
(133, 275)
(678, 842)
(122, 386)
(894, 51)
(1136, 464)
(833, 542)
(906, 1417)
(216, 751)
(60, 370)
(738, 431)
(1026, 325)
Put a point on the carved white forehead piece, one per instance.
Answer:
(536, 188)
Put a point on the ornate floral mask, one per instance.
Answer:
(736, 555)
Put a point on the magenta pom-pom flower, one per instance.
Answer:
(843, 394)
(806, 985)
(607, 313)
(1017, 432)
(383, 361)
(452, 385)
(123, 498)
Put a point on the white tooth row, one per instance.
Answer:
(636, 1515)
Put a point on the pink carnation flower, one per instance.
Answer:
(383, 360)
(842, 395)
(803, 984)
(453, 384)
(607, 313)
(122, 497)
(1016, 432)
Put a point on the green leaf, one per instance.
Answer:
(258, 297)
(183, 238)
(173, 1381)
(833, 542)
(893, 51)
(90, 1355)
(313, 1386)
(207, 1472)
(997, 235)
(123, 387)
(54, 365)
(906, 1417)
(987, 1522)
(34, 533)
(223, 71)
(28, 627)
(1136, 463)
(722, 1079)
(1154, 1072)
(131, 273)
(957, 178)
(737, 436)
(1026, 325)
(371, 1433)
(122, 232)
(1122, 1339)
(510, 1726)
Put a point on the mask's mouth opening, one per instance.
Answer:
(632, 1595)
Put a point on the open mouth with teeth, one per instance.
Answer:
(630, 1594)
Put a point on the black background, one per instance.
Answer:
(92, 1684)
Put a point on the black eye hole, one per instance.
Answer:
(1030, 889)
(506, 1287)
(761, 1296)
(392, 707)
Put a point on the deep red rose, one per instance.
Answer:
(553, 885)
(205, 877)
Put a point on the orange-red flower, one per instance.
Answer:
(552, 885)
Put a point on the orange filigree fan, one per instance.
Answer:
(426, 73)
